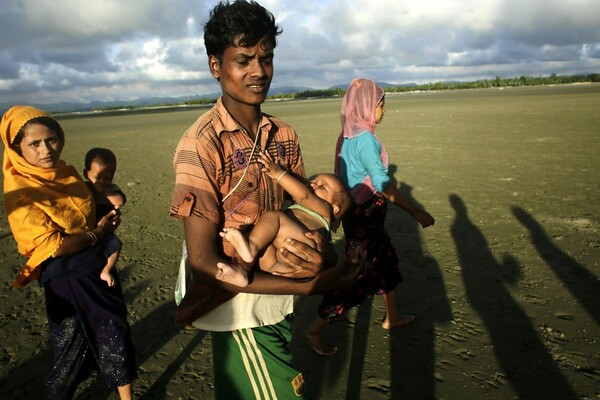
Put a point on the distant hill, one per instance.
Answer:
(382, 84)
(66, 107)
(498, 81)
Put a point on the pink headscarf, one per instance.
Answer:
(357, 116)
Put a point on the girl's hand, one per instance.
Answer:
(424, 218)
(272, 169)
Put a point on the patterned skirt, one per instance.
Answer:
(364, 224)
(89, 331)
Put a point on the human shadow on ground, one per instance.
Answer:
(583, 285)
(158, 390)
(26, 381)
(522, 357)
(149, 335)
(412, 350)
(412, 347)
(319, 371)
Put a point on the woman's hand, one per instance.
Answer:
(72, 244)
(109, 223)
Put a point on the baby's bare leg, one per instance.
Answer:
(262, 235)
(266, 230)
(235, 273)
(107, 272)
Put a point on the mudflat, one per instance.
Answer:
(505, 286)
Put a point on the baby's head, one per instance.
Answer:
(100, 167)
(331, 189)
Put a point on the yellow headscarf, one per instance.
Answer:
(42, 204)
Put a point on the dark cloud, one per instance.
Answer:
(114, 49)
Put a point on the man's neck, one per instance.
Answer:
(246, 115)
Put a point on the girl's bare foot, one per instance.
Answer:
(318, 345)
(400, 320)
(235, 276)
(107, 277)
(239, 243)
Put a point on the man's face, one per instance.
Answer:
(245, 73)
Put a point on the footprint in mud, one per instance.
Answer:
(463, 330)
(444, 364)
(464, 354)
(563, 315)
(379, 385)
(533, 299)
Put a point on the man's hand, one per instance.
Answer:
(296, 273)
(342, 275)
(302, 256)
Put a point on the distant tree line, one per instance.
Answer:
(307, 94)
(497, 82)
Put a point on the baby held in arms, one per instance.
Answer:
(319, 206)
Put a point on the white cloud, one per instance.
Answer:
(66, 50)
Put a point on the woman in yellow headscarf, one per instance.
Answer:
(51, 215)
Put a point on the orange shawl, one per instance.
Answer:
(42, 204)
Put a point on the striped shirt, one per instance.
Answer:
(219, 177)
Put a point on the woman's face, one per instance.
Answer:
(40, 147)
(379, 111)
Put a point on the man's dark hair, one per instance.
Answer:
(105, 156)
(246, 18)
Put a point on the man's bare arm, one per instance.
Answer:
(201, 237)
(202, 246)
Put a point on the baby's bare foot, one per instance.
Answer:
(239, 243)
(230, 274)
(107, 277)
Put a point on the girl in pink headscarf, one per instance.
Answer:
(362, 163)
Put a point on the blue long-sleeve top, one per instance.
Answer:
(360, 156)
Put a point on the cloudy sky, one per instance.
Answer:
(84, 50)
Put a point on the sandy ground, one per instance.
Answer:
(505, 286)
